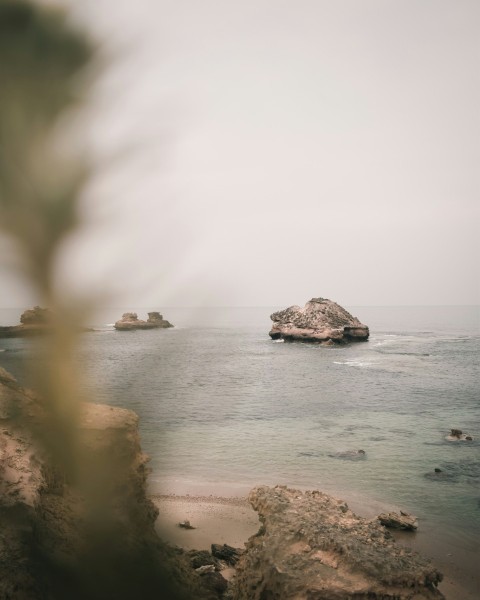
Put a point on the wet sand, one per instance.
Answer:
(231, 520)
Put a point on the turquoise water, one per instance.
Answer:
(221, 405)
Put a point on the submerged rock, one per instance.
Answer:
(130, 321)
(350, 455)
(311, 546)
(320, 320)
(457, 435)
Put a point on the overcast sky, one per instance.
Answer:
(269, 151)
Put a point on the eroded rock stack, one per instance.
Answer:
(130, 321)
(33, 321)
(311, 546)
(320, 320)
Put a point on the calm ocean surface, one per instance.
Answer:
(222, 406)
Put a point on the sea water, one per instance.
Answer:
(222, 406)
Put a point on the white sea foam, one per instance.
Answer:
(353, 363)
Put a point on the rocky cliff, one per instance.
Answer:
(312, 547)
(130, 321)
(320, 320)
(61, 540)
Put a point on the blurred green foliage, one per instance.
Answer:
(43, 66)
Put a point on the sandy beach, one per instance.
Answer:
(231, 520)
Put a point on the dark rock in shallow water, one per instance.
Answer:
(320, 320)
(398, 521)
(439, 475)
(130, 322)
(350, 455)
(457, 435)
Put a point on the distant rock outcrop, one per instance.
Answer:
(34, 321)
(311, 546)
(130, 321)
(320, 320)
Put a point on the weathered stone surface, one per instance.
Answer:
(320, 320)
(130, 322)
(46, 548)
(394, 520)
(312, 547)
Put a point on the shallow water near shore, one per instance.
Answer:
(222, 407)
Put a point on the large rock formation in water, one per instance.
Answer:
(320, 320)
(34, 321)
(312, 547)
(130, 321)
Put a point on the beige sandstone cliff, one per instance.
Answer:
(60, 540)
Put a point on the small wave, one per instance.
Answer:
(352, 363)
(278, 341)
(109, 325)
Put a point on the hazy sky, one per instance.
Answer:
(272, 150)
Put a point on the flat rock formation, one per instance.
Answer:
(48, 548)
(312, 547)
(130, 321)
(320, 320)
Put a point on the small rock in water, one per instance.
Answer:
(186, 525)
(458, 435)
(398, 521)
(350, 454)
(440, 475)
